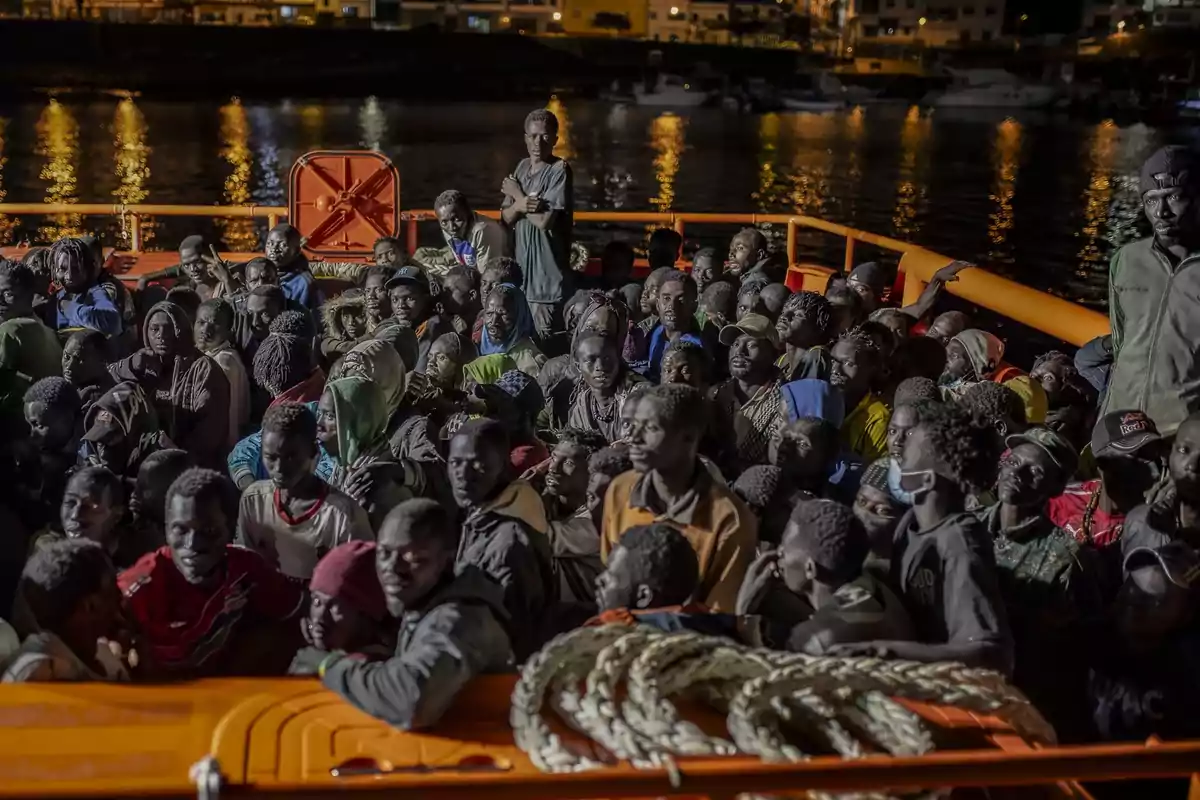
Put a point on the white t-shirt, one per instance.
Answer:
(295, 549)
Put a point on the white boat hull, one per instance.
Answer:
(813, 106)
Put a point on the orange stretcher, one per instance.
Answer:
(293, 737)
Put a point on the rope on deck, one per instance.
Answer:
(779, 706)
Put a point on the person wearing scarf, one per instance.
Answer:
(187, 388)
(560, 377)
(352, 425)
(508, 329)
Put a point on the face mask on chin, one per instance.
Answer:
(909, 487)
(894, 487)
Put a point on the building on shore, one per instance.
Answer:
(932, 23)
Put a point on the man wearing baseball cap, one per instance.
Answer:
(1154, 291)
(748, 407)
(1126, 446)
(1172, 512)
(1047, 580)
(413, 307)
(1144, 658)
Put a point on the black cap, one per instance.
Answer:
(1177, 560)
(1172, 167)
(1122, 433)
(409, 276)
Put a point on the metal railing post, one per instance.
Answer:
(135, 233)
(848, 264)
(410, 238)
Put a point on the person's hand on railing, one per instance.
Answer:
(949, 273)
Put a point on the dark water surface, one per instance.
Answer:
(1042, 198)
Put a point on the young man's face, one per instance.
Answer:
(15, 300)
(797, 328)
(454, 220)
(89, 511)
(680, 367)
(749, 302)
(210, 331)
(852, 370)
(539, 141)
(1027, 476)
(193, 265)
(443, 369)
(386, 254)
(409, 565)
(459, 297)
(598, 362)
(1127, 478)
(354, 324)
(160, 335)
(676, 305)
(903, 420)
(262, 312)
(50, 429)
(798, 450)
(281, 248)
(1184, 461)
(327, 423)
(945, 328)
(958, 365)
(260, 272)
(649, 299)
(795, 563)
(82, 364)
(1052, 375)
(335, 625)
(375, 297)
(410, 304)
(150, 492)
(705, 270)
(653, 443)
(614, 586)
(751, 357)
(865, 293)
(475, 467)
(287, 459)
(567, 476)
(878, 511)
(742, 256)
(197, 533)
(1172, 213)
(75, 274)
(597, 487)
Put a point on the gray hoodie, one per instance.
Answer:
(1155, 327)
(457, 634)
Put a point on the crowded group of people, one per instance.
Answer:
(399, 484)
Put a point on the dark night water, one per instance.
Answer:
(1042, 198)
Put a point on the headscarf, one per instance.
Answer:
(983, 349)
(376, 361)
(810, 397)
(595, 302)
(522, 328)
(361, 417)
(517, 388)
(876, 475)
(488, 369)
(347, 573)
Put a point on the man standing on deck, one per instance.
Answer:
(1154, 297)
(539, 203)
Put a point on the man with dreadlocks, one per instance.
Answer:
(187, 388)
(85, 301)
(857, 363)
(539, 205)
(943, 561)
(804, 326)
(473, 238)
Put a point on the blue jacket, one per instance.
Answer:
(95, 308)
(246, 458)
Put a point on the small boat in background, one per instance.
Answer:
(815, 105)
(992, 88)
(671, 91)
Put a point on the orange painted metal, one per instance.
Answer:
(342, 201)
(293, 737)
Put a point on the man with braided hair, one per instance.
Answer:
(85, 300)
(472, 238)
(805, 325)
(857, 364)
(813, 589)
(539, 205)
(943, 561)
(669, 484)
(201, 605)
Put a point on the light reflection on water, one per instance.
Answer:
(972, 185)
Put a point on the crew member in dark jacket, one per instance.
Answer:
(503, 532)
(451, 626)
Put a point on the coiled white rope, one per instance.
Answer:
(777, 704)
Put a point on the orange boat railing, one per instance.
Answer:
(1054, 316)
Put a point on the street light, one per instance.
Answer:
(1121, 27)
(922, 21)
(557, 16)
(674, 11)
